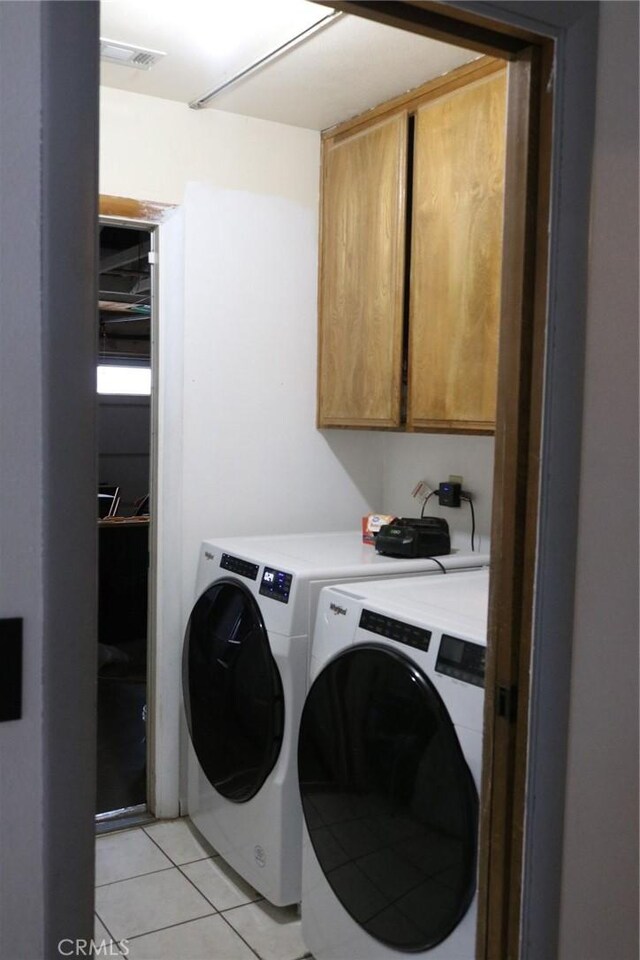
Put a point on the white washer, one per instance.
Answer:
(245, 674)
(389, 760)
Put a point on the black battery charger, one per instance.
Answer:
(412, 537)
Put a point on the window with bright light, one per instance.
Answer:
(124, 381)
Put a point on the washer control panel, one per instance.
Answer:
(276, 584)
(395, 629)
(461, 660)
(242, 567)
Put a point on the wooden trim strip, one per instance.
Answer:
(127, 208)
(413, 99)
(515, 511)
(433, 20)
(459, 15)
(332, 423)
(542, 122)
(319, 299)
(497, 814)
(452, 426)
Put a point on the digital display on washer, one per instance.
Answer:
(461, 660)
(276, 584)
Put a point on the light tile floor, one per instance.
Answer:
(168, 894)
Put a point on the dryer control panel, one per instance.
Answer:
(461, 660)
(395, 629)
(241, 567)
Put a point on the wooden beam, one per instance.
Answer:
(126, 208)
(438, 22)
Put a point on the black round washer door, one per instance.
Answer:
(232, 691)
(388, 799)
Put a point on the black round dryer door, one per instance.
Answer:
(232, 691)
(389, 801)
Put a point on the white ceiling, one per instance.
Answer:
(346, 68)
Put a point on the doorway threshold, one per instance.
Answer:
(122, 819)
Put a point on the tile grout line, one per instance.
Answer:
(136, 876)
(213, 912)
(203, 894)
(216, 911)
(238, 934)
(213, 856)
(113, 939)
(220, 913)
(171, 926)
(180, 923)
(134, 829)
(97, 886)
(172, 866)
(207, 856)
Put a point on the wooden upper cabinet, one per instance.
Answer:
(456, 258)
(362, 264)
(411, 258)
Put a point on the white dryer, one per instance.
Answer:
(245, 675)
(389, 760)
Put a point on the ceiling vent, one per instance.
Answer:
(126, 55)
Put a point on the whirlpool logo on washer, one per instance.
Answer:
(337, 609)
(209, 555)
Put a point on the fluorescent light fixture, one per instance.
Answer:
(126, 55)
(124, 381)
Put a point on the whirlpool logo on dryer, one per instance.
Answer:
(338, 609)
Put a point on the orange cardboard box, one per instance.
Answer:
(371, 525)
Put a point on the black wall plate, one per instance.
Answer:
(10, 668)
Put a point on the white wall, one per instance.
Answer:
(151, 148)
(253, 461)
(599, 917)
(410, 457)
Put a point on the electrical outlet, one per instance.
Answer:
(449, 494)
(454, 478)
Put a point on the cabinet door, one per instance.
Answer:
(362, 277)
(456, 258)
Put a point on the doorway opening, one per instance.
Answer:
(124, 415)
